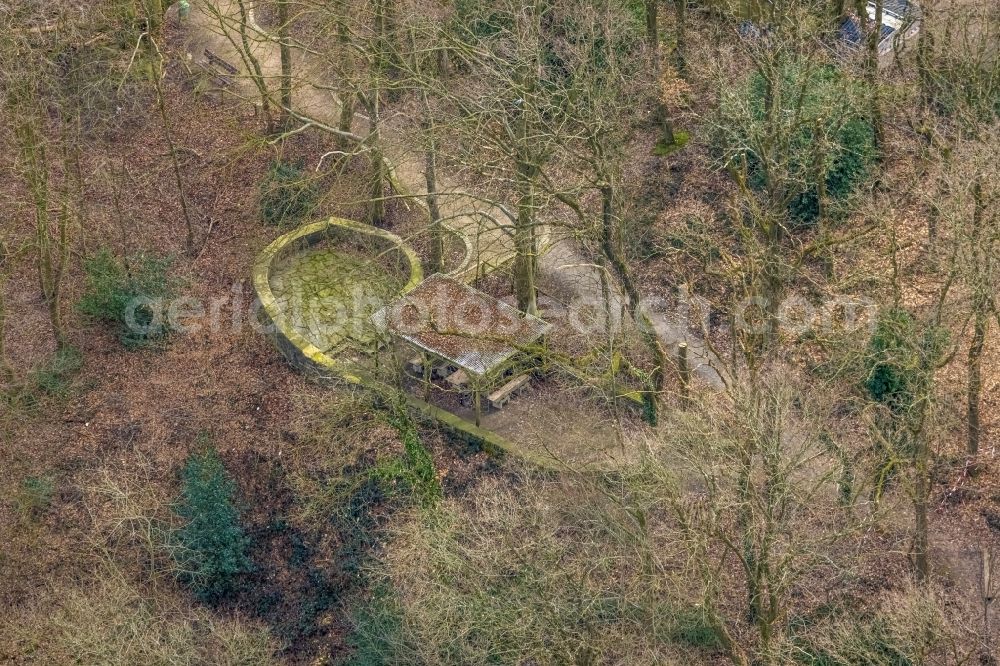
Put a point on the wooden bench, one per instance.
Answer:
(222, 72)
(458, 379)
(219, 62)
(500, 397)
(441, 371)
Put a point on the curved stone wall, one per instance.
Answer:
(299, 351)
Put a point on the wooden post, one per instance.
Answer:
(684, 370)
(426, 370)
(986, 584)
(399, 367)
(477, 401)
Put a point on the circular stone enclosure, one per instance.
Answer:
(318, 284)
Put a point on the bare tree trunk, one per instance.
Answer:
(253, 64)
(975, 377)
(54, 297)
(933, 217)
(386, 56)
(285, 52)
(524, 239)
(611, 249)
(684, 372)
(156, 70)
(430, 176)
(373, 104)
(43, 241)
(921, 499)
(51, 262)
(653, 46)
(6, 371)
(981, 312)
(154, 15)
(680, 51)
(652, 24)
(376, 207)
(348, 98)
(526, 176)
(666, 128)
(751, 563)
(443, 65)
(922, 461)
(769, 289)
(52, 266)
(667, 135)
(346, 114)
(430, 166)
(822, 198)
(925, 49)
(874, 35)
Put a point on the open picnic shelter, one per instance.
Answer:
(468, 337)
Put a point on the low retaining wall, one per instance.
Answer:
(299, 351)
(469, 268)
(322, 367)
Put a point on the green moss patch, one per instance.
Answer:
(662, 148)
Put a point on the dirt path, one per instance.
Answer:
(485, 228)
(564, 270)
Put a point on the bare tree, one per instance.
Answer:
(781, 180)
(680, 35)
(610, 86)
(157, 71)
(423, 80)
(966, 202)
(909, 346)
(872, 31)
(510, 113)
(242, 38)
(958, 83)
(746, 475)
(6, 266)
(984, 240)
(285, 54)
(52, 246)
